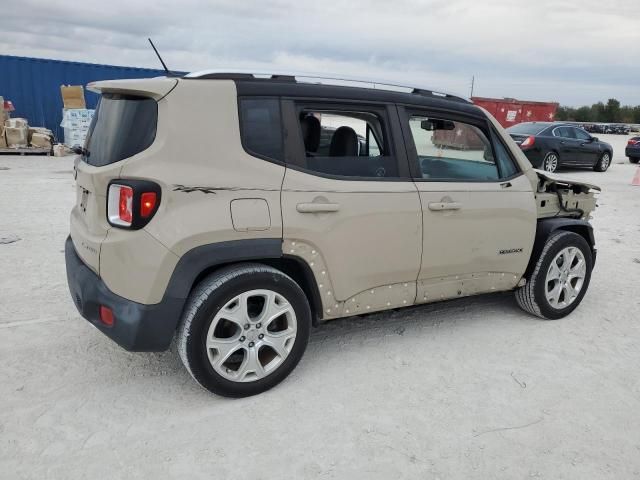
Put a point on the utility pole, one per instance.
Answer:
(473, 81)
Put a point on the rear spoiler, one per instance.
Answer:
(155, 88)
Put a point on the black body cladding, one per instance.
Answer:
(140, 327)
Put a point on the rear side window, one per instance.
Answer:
(564, 132)
(122, 126)
(345, 143)
(261, 127)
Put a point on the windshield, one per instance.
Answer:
(527, 128)
(122, 126)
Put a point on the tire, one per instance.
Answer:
(259, 366)
(551, 162)
(532, 297)
(604, 162)
(634, 159)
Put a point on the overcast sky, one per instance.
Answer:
(572, 51)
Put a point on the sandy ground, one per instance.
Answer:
(469, 389)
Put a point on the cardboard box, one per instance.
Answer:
(17, 137)
(42, 130)
(77, 118)
(4, 115)
(73, 96)
(74, 137)
(59, 150)
(16, 123)
(40, 140)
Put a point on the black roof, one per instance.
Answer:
(287, 85)
(420, 98)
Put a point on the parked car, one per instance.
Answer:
(633, 149)
(551, 145)
(620, 129)
(238, 230)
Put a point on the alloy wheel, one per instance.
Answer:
(251, 335)
(551, 162)
(565, 277)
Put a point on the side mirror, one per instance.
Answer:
(593, 139)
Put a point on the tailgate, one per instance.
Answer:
(88, 217)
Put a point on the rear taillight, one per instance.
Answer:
(147, 204)
(633, 141)
(132, 203)
(120, 205)
(528, 142)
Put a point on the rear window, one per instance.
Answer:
(122, 126)
(527, 128)
(261, 128)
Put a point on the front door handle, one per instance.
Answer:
(439, 206)
(317, 207)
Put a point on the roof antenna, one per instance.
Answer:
(169, 74)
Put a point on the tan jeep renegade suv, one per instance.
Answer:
(234, 211)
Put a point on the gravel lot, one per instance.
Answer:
(472, 388)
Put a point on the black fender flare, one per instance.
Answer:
(546, 226)
(199, 261)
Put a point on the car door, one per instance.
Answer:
(479, 213)
(350, 208)
(568, 146)
(589, 149)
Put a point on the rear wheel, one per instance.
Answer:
(550, 162)
(634, 159)
(560, 278)
(244, 330)
(603, 163)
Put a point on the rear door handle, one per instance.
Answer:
(317, 207)
(439, 206)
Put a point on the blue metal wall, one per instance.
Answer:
(33, 85)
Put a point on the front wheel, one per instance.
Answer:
(244, 330)
(550, 162)
(560, 278)
(634, 159)
(603, 163)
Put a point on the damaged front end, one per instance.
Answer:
(557, 196)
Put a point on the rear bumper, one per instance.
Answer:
(632, 152)
(137, 327)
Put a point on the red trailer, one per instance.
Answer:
(509, 111)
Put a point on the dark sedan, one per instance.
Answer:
(550, 146)
(633, 149)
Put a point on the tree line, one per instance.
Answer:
(610, 112)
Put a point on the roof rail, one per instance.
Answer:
(335, 80)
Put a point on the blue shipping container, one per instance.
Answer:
(33, 85)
